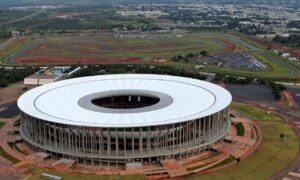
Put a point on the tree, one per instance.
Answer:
(281, 136)
(175, 58)
(190, 55)
(238, 160)
(203, 53)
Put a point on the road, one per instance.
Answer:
(22, 18)
(263, 52)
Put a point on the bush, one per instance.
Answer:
(240, 130)
(237, 80)
(8, 156)
(277, 89)
(204, 53)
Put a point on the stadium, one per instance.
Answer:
(118, 119)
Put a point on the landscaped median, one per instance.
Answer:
(273, 155)
(240, 129)
(8, 156)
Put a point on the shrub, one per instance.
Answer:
(240, 129)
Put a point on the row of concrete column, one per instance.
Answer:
(120, 145)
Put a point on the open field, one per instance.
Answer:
(273, 155)
(75, 18)
(237, 55)
(107, 47)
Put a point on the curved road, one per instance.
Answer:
(293, 70)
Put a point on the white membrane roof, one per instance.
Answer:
(58, 101)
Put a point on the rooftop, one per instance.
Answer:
(180, 99)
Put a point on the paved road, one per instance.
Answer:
(9, 110)
(22, 18)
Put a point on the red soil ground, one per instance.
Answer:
(72, 60)
(229, 46)
(289, 97)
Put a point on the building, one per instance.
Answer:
(39, 79)
(48, 75)
(119, 119)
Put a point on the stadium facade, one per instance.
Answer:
(124, 118)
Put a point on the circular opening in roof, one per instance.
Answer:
(125, 101)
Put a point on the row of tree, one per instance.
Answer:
(135, 68)
(293, 40)
(185, 58)
(5, 34)
(12, 76)
(276, 88)
(232, 79)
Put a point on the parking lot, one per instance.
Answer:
(239, 60)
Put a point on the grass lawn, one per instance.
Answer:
(8, 156)
(272, 156)
(225, 161)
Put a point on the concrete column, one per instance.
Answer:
(140, 141)
(117, 142)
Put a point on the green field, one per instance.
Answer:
(272, 156)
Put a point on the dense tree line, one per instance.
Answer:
(11, 76)
(277, 89)
(233, 79)
(185, 58)
(139, 69)
(293, 40)
(5, 34)
(294, 24)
